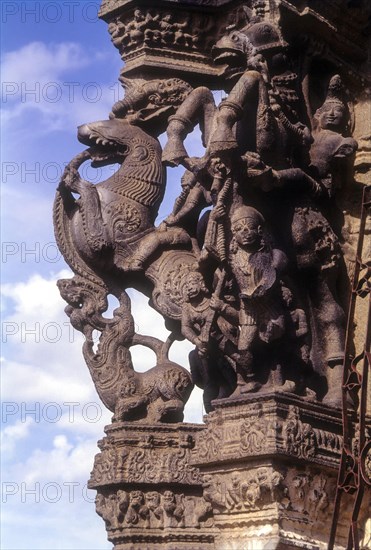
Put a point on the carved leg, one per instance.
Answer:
(245, 377)
(223, 138)
(247, 90)
(334, 377)
(245, 374)
(174, 151)
(126, 405)
(160, 409)
(330, 320)
(198, 107)
(149, 245)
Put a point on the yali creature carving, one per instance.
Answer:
(252, 280)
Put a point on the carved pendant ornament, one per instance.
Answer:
(252, 281)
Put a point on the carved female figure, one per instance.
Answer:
(332, 152)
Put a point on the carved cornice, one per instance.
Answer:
(112, 6)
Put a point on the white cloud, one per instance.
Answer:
(18, 238)
(38, 296)
(47, 494)
(64, 462)
(40, 62)
(32, 383)
(41, 341)
(42, 352)
(35, 84)
(11, 434)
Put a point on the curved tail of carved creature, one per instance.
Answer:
(160, 348)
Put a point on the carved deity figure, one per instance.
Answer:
(234, 492)
(316, 235)
(200, 326)
(153, 502)
(332, 152)
(256, 268)
(137, 510)
(193, 198)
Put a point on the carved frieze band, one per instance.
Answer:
(294, 493)
(261, 433)
(165, 32)
(152, 510)
(144, 458)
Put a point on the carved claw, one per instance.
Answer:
(69, 178)
(250, 387)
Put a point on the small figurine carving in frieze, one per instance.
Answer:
(234, 492)
(213, 494)
(153, 502)
(174, 509)
(106, 508)
(137, 511)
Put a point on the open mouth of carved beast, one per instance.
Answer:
(102, 150)
(234, 61)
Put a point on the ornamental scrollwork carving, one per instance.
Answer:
(257, 433)
(141, 463)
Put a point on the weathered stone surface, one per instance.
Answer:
(146, 454)
(149, 495)
(273, 424)
(253, 265)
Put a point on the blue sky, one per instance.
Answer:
(59, 70)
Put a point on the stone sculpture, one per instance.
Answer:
(249, 265)
(258, 152)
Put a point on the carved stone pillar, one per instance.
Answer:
(270, 470)
(253, 264)
(148, 493)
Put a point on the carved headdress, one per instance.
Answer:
(262, 35)
(247, 212)
(336, 95)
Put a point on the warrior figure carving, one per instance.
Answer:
(246, 265)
